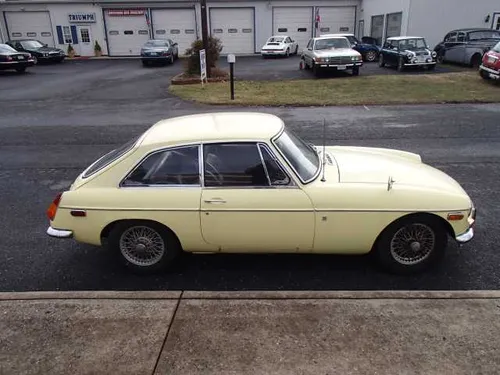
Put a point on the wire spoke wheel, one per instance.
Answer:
(412, 244)
(142, 246)
(371, 56)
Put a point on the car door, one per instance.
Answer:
(308, 52)
(391, 52)
(250, 202)
(451, 52)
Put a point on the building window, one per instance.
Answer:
(324, 29)
(128, 32)
(344, 29)
(189, 31)
(17, 35)
(31, 35)
(113, 32)
(67, 35)
(377, 28)
(282, 29)
(175, 31)
(302, 29)
(247, 31)
(160, 32)
(217, 31)
(45, 33)
(85, 35)
(232, 31)
(393, 26)
(143, 32)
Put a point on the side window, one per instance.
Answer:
(461, 37)
(277, 175)
(179, 166)
(452, 38)
(310, 44)
(233, 164)
(287, 40)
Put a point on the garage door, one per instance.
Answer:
(34, 25)
(127, 31)
(335, 20)
(235, 28)
(176, 24)
(294, 21)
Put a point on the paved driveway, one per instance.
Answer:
(257, 68)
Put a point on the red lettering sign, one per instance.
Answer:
(125, 12)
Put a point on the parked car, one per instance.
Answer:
(407, 51)
(243, 182)
(327, 53)
(10, 59)
(490, 65)
(279, 45)
(41, 52)
(368, 51)
(369, 40)
(159, 51)
(466, 46)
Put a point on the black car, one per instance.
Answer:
(407, 51)
(368, 51)
(41, 52)
(15, 60)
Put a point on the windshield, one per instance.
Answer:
(497, 47)
(412, 44)
(352, 39)
(278, 39)
(156, 43)
(476, 35)
(302, 157)
(31, 44)
(332, 43)
(6, 48)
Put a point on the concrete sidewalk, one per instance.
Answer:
(250, 333)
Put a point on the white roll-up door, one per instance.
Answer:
(296, 22)
(126, 31)
(335, 20)
(30, 25)
(235, 28)
(178, 25)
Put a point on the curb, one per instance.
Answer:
(275, 295)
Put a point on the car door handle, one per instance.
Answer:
(215, 201)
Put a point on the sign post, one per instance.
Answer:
(231, 59)
(203, 66)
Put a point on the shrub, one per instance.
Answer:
(97, 46)
(193, 55)
(70, 49)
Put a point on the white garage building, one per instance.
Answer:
(243, 26)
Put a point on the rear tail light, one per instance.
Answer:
(51, 211)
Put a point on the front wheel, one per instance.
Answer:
(143, 246)
(412, 244)
(381, 61)
(475, 61)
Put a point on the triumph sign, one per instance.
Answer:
(81, 17)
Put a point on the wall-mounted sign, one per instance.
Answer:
(126, 12)
(81, 17)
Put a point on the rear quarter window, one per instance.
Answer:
(109, 158)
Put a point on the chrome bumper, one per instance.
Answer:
(420, 63)
(465, 237)
(491, 71)
(59, 233)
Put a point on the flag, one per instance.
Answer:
(146, 13)
(317, 18)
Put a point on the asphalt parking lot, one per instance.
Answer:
(57, 119)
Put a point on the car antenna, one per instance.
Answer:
(324, 151)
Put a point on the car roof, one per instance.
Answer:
(471, 29)
(278, 36)
(330, 36)
(218, 126)
(404, 37)
(346, 34)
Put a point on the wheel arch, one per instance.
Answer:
(475, 55)
(108, 228)
(446, 225)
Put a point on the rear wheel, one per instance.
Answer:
(475, 61)
(171, 59)
(143, 246)
(412, 244)
(371, 56)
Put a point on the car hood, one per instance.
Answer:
(336, 52)
(377, 165)
(43, 49)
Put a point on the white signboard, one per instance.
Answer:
(80, 17)
(203, 65)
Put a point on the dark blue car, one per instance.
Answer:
(368, 51)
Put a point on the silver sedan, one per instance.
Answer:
(159, 50)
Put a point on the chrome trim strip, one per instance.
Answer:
(489, 70)
(420, 63)
(264, 164)
(136, 209)
(59, 233)
(465, 237)
(292, 183)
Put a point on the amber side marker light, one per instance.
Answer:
(455, 217)
(51, 211)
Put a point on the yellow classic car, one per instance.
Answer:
(245, 183)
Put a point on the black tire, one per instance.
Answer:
(401, 64)
(171, 60)
(315, 69)
(287, 53)
(431, 67)
(296, 50)
(355, 71)
(475, 61)
(171, 245)
(306, 65)
(21, 69)
(390, 259)
(145, 63)
(371, 56)
(381, 62)
(440, 57)
(484, 75)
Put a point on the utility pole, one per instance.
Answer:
(204, 32)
